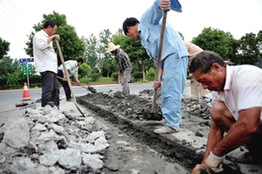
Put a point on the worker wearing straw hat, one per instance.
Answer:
(124, 65)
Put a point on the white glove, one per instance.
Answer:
(213, 164)
(198, 169)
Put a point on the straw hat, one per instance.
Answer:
(112, 47)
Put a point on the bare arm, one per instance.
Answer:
(214, 137)
(56, 36)
(241, 132)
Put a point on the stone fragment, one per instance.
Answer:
(93, 161)
(70, 158)
(16, 132)
(48, 159)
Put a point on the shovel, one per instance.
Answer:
(67, 76)
(153, 115)
(89, 88)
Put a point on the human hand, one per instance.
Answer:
(119, 74)
(198, 169)
(165, 5)
(213, 164)
(157, 84)
(56, 36)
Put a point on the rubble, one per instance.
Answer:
(44, 140)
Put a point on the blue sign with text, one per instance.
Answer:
(24, 60)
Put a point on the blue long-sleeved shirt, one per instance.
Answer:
(150, 28)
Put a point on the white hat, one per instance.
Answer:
(112, 47)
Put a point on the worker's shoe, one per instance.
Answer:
(165, 130)
(70, 100)
(51, 103)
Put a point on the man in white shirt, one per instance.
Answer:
(236, 109)
(46, 62)
(72, 68)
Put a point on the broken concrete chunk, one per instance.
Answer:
(16, 132)
(93, 161)
(70, 158)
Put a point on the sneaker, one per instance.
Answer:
(70, 100)
(165, 130)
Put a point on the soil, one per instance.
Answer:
(157, 153)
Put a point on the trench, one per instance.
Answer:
(176, 151)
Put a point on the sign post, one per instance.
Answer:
(27, 68)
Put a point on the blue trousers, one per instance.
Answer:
(174, 80)
(64, 84)
(50, 88)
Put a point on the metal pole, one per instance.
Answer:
(27, 75)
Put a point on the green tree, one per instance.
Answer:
(249, 47)
(9, 66)
(84, 70)
(136, 52)
(91, 49)
(4, 48)
(105, 58)
(71, 46)
(213, 40)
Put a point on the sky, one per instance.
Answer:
(17, 17)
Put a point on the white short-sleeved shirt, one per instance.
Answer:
(44, 53)
(243, 89)
(71, 67)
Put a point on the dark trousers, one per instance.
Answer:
(50, 88)
(64, 84)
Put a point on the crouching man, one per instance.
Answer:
(237, 103)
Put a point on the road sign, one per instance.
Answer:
(30, 69)
(24, 68)
(24, 60)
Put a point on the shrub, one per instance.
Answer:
(151, 74)
(35, 79)
(115, 76)
(94, 77)
(138, 75)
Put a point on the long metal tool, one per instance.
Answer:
(89, 88)
(67, 76)
(159, 58)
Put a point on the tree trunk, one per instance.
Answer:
(143, 69)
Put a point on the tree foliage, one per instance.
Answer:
(213, 40)
(71, 46)
(91, 55)
(9, 66)
(4, 48)
(84, 70)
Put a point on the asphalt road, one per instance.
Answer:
(9, 98)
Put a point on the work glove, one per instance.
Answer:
(213, 164)
(198, 169)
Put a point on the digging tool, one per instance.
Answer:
(89, 88)
(119, 81)
(67, 76)
(153, 114)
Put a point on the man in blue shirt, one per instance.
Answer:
(174, 58)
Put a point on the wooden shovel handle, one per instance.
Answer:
(159, 57)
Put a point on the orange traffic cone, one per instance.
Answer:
(26, 95)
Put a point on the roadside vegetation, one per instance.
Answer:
(100, 67)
